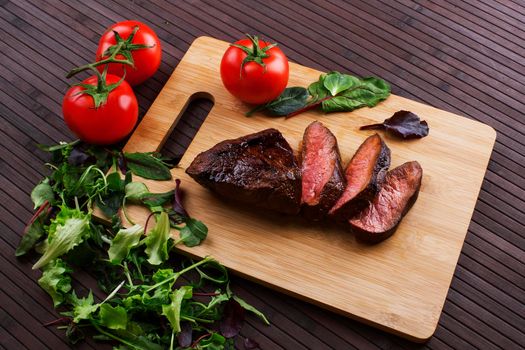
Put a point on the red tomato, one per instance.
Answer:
(146, 60)
(107, 124)
(254, 83)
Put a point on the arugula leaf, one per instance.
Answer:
(193, 233)
(251, 308)
(157, 241)
(124, 241)
(66, 231)
(41, 193)
(56, 280)
(113, 317)
(172, 311)
(34, 232)
(336, 82)
(83, 308)
(147, 166)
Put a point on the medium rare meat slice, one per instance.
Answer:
(322, 175)
(398, 193)
(258, 169)
(364, 175)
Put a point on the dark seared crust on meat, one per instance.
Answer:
(334, 187)
(361, 200)
(259, 169)
(399, 193)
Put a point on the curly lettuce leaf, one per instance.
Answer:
(56, 280)
(67, 230)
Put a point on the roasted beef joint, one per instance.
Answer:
(323, 181)
(383, 214)
(258, 169)
(364, 175)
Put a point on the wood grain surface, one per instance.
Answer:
(399, 285)
(466, 57)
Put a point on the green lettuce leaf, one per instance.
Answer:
(157, 241)
(113, 317)
(124, 240)
(66, 231)
(56, 280)
(83, 308)
(172, 311)
(136, 190)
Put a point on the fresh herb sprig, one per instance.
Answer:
(150, 303)
(333, 92)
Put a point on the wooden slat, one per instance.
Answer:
(466, 57)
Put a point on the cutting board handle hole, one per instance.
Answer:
(196, 111)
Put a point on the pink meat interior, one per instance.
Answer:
(360, 170)
(388, 205)
(319, 160)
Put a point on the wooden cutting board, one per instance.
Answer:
(399, 285)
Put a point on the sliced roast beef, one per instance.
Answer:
(398, 193)
(364, 175)
(258, 169)
(322, 175)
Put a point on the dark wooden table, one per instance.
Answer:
(467, 57)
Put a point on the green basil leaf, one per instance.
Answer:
(66, 231)
(317, 90)
(157, 241)
(56, 280)
(341, 104)
(289, 101)
(251, 308)
(172, 311)
(336, 82)
(368, 92)
(193, 233)
(124, 241)
(41, 193)
(113, 317)
(147, 166)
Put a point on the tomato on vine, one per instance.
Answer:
(136, 43)
(101, 110)
(254, 71)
